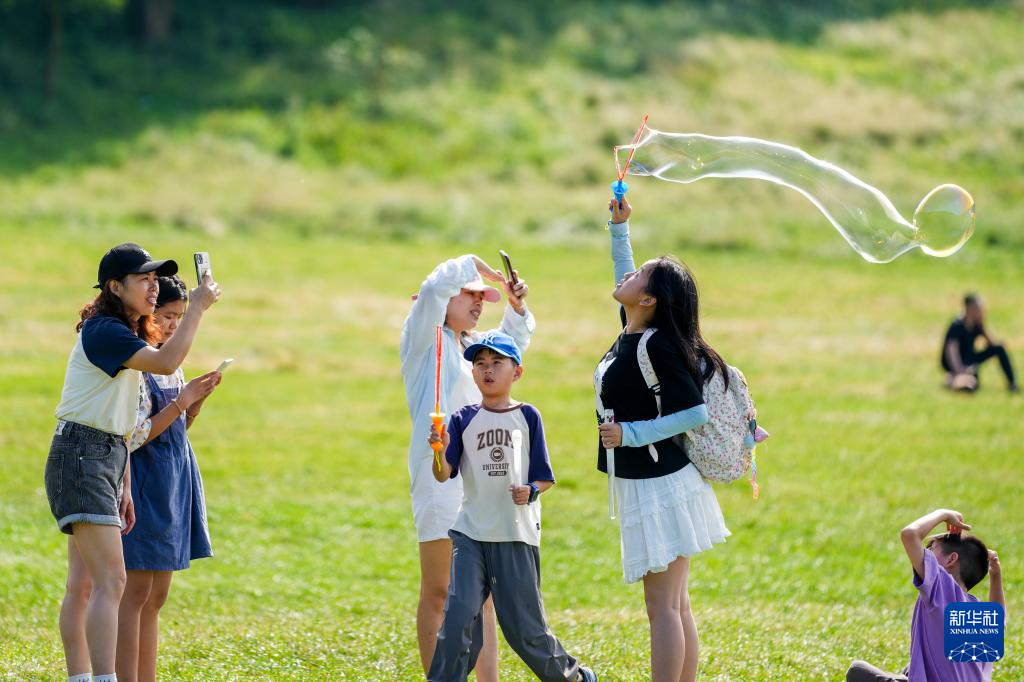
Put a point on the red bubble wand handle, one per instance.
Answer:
(437, 416)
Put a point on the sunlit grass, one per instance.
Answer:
(303, 454)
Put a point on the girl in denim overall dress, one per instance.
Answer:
(170, 510)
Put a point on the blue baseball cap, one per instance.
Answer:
(499, 342)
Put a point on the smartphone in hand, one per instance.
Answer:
(203, 267)
(510, 275)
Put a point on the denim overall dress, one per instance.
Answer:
(170, 511)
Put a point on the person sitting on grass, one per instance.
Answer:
(498, 446)
(959, 358)
(946, 567)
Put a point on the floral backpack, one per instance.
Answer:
(723, 449)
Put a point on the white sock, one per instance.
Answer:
(83, 677)
(112, 677)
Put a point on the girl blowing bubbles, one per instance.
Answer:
(668, 512)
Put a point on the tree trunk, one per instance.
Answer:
(151, 20)
(55, 16)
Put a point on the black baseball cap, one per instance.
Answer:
(131, 259)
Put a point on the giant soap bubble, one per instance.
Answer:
(942, 223)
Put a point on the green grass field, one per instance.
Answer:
(303, 453)
(329, 154)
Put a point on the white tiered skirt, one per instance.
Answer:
(664, 518)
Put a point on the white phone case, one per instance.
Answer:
(202, 265)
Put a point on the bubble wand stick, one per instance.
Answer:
(608, 417)
(517, 468)
(619, 188)
(437, 416)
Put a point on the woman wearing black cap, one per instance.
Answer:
(87, 479)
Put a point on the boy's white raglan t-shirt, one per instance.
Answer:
(481, 451)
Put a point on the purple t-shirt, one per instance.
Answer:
(928, 657)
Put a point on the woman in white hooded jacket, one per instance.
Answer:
(453, 296)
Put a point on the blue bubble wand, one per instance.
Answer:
(619, 188)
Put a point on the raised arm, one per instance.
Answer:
(518, 322)
(914, 534)
(171, 355)
(431, 303)
(622, 250)
(995, 580)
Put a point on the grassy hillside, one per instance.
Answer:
(429, 120)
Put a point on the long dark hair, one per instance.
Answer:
(108, 303)
(677, 313)
(172, 289)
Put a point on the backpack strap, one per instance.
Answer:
(605, 415)
(643, 359)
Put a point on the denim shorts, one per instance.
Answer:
(84, 474)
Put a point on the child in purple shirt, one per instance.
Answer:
(945, 568)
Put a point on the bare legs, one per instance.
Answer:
(435, 564)
(690, 637)
(674, 645)
(138, 624)
(435, 572)
(88, 615)
(149, 624)
(72, 613)
(487, 663)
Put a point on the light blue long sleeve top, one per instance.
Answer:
(641, 433)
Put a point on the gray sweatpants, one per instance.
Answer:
(865, 672)
(510, 572)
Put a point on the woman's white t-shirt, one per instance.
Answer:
(99, 391)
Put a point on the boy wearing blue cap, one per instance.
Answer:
(498, 447)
